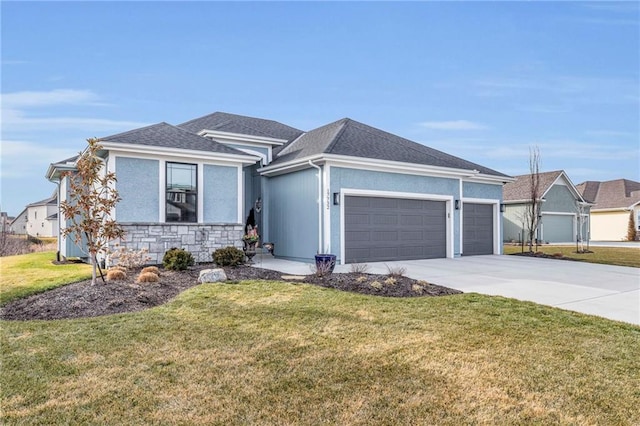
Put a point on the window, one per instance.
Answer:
(182, 193)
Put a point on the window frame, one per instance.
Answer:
(195, 194)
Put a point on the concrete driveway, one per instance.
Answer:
(608, 291)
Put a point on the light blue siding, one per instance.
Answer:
(383, 181)
(482, 190)
(220, 194)
(138, 185)
(293, 214)
(559, 199)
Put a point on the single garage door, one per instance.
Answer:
(380, 229)
(557, 228)
(477, 229)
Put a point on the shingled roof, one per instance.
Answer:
(167, 136)
(351, 138)
(520, 189)
(232, 123)
(613, 194)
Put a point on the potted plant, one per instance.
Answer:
(325, 263)
(250, 240)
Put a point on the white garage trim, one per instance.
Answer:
(448, 199)
(496, 220)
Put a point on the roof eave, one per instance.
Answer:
(380, 165)
(179, 152)
(239, 137)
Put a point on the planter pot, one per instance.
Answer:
(325, 263)
(250, 250)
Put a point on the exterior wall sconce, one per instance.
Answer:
(457, 204)
(336, 198)
(502, 208)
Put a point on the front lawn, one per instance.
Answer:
(620, 256)
(264, 352)
(32, 273)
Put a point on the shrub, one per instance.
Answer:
(147, 277)
(377, 285)
(176, 259)
(116, 275)
(390, 281)
(152, 269)
(397, 271)
(228, 256)
(361, 279)
(359, 268)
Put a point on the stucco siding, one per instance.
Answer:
(609, 226)
(342, 177)
(481, 190)
(139, 187)
(220, 194)
(293, 214)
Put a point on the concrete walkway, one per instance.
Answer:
(608, 291)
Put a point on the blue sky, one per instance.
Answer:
(481, 80)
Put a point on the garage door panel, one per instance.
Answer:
(398, 229)
(477, 229)
(384, 219)
(557, 228)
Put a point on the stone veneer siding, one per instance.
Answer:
(201, 240)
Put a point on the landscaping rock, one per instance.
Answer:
(212, 276)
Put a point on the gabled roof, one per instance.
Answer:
(347, 137)
(612, 194)
(51, 200)
(232, 123)
(167, 136)
(519, 190)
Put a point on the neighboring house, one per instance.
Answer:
(344, 188)
(5, 222)
(39, 219)
(561, 219)
(614, 201)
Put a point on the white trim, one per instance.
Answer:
(461, 219)
(496, 221)
(240, 195)
(384, 166)
(328, 199)
(177, 153)
(162, 187)
(199, 188)
(352, 192)
(235, 137)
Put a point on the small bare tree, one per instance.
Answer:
(533, 209)
(581, 209)
(631, 228)
(92, 198)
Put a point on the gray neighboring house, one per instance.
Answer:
(345, 188)
(39, 219)
(561, 219)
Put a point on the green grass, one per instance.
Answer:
(32, 273)
(278, 353)
(621, 256)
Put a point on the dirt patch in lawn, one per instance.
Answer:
(81, 299)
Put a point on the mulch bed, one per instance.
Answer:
(81, 299)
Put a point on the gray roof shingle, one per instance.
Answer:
(168, 136)
(612, 194)
(232, 123)
(352, 138)
(519, 189)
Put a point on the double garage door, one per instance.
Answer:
(381, 229)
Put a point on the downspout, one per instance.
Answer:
(319, 205)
